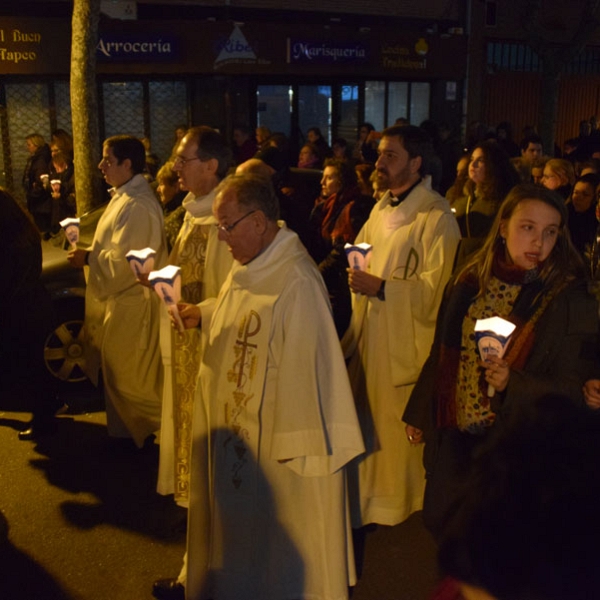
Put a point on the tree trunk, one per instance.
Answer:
(84, 104)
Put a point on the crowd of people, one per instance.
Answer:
(297, 399)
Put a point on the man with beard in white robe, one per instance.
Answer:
(122, 317)
(414, 236)
(275, 423)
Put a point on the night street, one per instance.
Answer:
(86, 524)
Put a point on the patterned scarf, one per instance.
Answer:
(528, 308)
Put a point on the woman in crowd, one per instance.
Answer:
(491, 176)
(529, 273)
(61, 186)
(459, 188)
(581, 206)
(64, 142)
(537, 169)
(315, 137)
(171, 197)
(309, 158)
(26, 318)
(263, 134)
(591, 165)
(340, 149)
(335, 220)
(365, 149)
(559, 176)
(38, 164)
(363, 173)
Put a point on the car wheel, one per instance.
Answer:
(63, 352)
(63, 349)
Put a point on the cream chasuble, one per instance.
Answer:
(388, 342)
(204, 263)
(274, 426)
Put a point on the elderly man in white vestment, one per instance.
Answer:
(122, 317)
(275, 423)
(202, 159)
(395, 303)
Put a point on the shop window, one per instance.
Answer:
(123, 103)
(26, 113)
(314, 109)
(348, 113)
(386, 102)
(398, 102)
(168, 110)
(419, 102)
(274, 107)
(62, 101)
(375, 102)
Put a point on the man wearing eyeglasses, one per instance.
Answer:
(275, 423)
(122, 317)
(202, 159)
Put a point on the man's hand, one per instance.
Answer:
(361, 282)
(190, 315)
(142, 279)
(591, 393)
(414, 435)
(76, 258)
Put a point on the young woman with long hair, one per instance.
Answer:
(529, 273)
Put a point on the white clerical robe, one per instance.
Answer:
(273, 428)
(388, 342)
(205, 263)
(121, 316)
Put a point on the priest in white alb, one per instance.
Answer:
(395, 303)
(274, 424)
(122, 317)
(202, 159)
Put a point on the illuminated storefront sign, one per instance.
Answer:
(138, 48)
(326, 52)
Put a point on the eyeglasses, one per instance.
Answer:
(227, 229)
(183, 160)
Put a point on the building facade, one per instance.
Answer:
(287, 70)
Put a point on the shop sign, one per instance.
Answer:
(137, 48)
(235, 50)
(326, 52)
(18, 46)
(401, 57)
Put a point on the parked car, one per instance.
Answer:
(63, 350)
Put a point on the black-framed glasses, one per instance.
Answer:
(227, 229)
(183, 160)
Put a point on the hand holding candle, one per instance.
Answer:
(55, 185)
(167, 284)
(71, 227)
(358, 255)
(141, 261)
(492, 336)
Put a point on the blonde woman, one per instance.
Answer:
(559, 176)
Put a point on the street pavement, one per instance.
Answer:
(85, 523)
